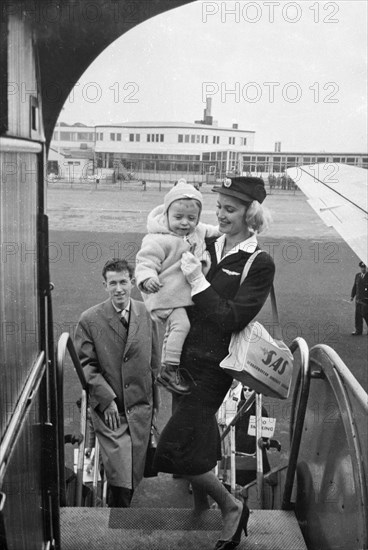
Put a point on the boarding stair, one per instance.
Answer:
(172, 529)
(167, 521)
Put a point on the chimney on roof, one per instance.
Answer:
(235, 126)
(207, 118)
(277, 146)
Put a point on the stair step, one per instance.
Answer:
(172, 529)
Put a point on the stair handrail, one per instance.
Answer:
(346, 375)
(340, 377)
(65, 344)
(24, 403)
(243, 409)
(298, 415)
(230, 429)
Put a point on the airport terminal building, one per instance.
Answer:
(171, 148)
(165, 151)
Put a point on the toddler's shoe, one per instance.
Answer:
(171, 379)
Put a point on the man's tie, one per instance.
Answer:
(123, 318)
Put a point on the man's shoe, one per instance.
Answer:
(171, 380)
(119, 497)
(355, 333)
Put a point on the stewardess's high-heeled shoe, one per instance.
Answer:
(236, 538)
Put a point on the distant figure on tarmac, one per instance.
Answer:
(272, 180)
(360, 293)
(117, 344)
(173, 228)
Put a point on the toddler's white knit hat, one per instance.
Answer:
(182, 190)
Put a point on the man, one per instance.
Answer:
(360, 292)
(117, 344)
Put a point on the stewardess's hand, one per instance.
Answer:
(191, 267)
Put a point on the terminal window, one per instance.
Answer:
(67, 136)
(155, 137)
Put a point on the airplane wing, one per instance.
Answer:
(339, 195)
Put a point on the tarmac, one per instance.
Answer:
(125, 210)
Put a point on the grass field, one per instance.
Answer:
(314, 274)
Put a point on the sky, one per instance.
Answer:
(294, 72)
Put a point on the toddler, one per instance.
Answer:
(173, 228)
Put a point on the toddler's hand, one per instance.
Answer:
(151, 285)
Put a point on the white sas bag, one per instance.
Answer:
(259, 361)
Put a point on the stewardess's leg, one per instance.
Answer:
(231, 508)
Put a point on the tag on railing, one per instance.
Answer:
(268, 426)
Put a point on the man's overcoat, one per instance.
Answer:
(121, 366)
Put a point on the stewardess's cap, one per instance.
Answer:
(246, 189)
(182, 190)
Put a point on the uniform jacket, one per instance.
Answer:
(160, 255)
(121, 367)
(225, 306)
(360, 288)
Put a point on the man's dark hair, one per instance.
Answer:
(117, 264)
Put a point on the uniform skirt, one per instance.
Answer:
(190, 442)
